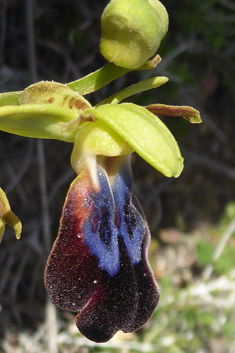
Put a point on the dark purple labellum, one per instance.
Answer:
(98, 264)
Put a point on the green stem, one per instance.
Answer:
(97, 79)
(105, 75)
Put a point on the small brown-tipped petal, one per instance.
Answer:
(188, 113)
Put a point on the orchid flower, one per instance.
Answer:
(98, 266)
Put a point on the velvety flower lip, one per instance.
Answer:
(98, 265)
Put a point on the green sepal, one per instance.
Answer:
(10, 98)
(45, 121)
(145, 133)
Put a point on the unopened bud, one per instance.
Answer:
(131, 31)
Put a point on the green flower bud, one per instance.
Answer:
(131, 31)
(162, 13)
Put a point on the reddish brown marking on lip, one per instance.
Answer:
(65, 98)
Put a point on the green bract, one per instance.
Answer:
(131, 31)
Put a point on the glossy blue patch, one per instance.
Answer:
(99, 231)
(112, 214)
(131, 224)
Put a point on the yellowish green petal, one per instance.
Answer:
(8, 217)
(131, 90)
(145, 133)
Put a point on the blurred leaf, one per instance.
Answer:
(226, 262)
(204, 251)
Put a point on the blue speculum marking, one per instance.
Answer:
(99, 231)
(113, 214)
(132, 225)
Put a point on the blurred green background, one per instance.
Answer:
(191, 218)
